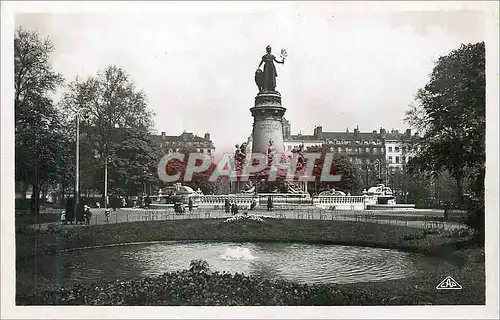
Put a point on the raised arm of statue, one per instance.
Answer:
(275, 60)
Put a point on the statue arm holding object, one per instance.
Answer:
(282, 61)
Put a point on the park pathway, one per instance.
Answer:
(124, 215)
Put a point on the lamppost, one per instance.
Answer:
(106, 200)
(77, 160)
(106, 181)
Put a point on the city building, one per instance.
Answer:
(398, 148)
(294, 141)
(186, 140)
(357, 145)
(380, 150)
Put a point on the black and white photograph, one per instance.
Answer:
(250, 154)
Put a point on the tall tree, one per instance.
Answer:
(111, 106)
(134, 164)
(351, 180)
(38, 132)
(450, 112)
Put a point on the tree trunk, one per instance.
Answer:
(63, 192)
(36, 186)
(35, 200)
(460, 191)
(44, 190)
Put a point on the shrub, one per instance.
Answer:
(475, 215)
(199, 266)
(414, 235)
(457, 233)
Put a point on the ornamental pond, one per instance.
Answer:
(304, 263)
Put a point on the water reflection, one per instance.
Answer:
(297, 262)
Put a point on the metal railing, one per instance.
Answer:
(283, 212)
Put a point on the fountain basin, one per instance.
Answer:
(305, 263)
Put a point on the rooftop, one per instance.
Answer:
(184, 137)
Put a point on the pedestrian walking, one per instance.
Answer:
(88, 215)
(190, 205)
(63, 217)
(227, 205)
(269, 203)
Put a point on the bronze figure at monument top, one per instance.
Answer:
(266, 78)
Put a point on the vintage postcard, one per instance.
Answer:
(337, 159)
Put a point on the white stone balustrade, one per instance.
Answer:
(244, 200)
(340, 202)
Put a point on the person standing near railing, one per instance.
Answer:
(63, 217)
(253, 204)
(269, 203)
(190, 204)
(234, 208)
(87, 215)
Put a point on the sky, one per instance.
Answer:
(344, 69)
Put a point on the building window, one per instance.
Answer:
(390, 159)
(390, 149)
(396, 149)
(397, 159)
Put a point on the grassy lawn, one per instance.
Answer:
(468, 267)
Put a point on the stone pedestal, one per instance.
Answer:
(267, 124)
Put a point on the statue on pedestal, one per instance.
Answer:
(271, 151)
(301, 161)
(266, 79)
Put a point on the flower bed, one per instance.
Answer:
(247, 217)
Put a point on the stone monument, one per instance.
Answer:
(267, 134)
